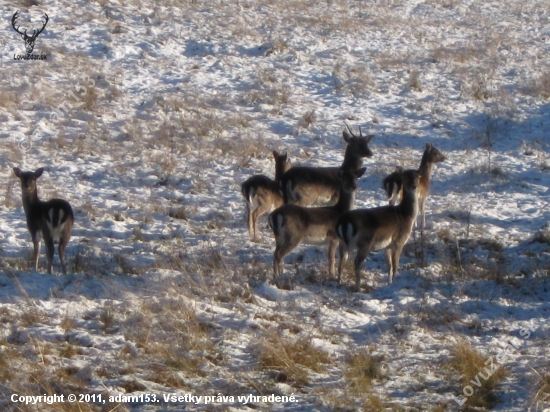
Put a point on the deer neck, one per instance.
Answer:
(345, 201)
(279, 171)
(409, 205)
(352, 162)
(426, 166)
(30, 200)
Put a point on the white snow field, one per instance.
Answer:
(148, 115)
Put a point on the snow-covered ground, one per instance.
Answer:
(147, 116)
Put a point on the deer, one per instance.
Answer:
(53, 220)
(393, 184)
(386, 227)
(29, 40)
(304, 186)
(262, 193)
(293, 224)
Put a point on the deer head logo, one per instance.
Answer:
(29, 40)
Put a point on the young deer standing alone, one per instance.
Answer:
(304, 186)
(53, 220)
(386, 227)
(293, 224)
(262, 194)
(393, 184)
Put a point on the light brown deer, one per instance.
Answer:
(393, 184)
(386, 227)
(294, 224)
(304, 186)
(51, 220)
(262, 194)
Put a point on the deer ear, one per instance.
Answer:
(361, 172)
(17, 171)
(38, 172)
(428, 146)
(275, 154)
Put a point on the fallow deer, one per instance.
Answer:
(262, 194)
(386, 227)
(393, 184)
(53, 220)
(304, 186)
(294, 224)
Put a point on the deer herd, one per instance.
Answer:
(333, 221)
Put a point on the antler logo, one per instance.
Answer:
(29, 40)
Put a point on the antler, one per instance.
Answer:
(353, 134)
(43, 27)
(13, 24)
(349, 130)
(35, 33)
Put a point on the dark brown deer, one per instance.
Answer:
(294, 224)
(393, 184)
(53, 220)
(29, 40)
(262, 194)
(304, 186)
(386, 227)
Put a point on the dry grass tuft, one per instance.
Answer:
(9, 99)
(362, 369)
(543, 388)
(5, 372)
(178, 213)
(32, 316)
(414, 81)
(168, 378)
(292, 357)
(469, 364)
(540, 86)
(68, 351)
(308, 119)
(180, 341)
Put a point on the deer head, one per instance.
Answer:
(29, 40)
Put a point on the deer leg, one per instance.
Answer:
(249, 220)
(362, 253)
(36, 250)
(284, 247)
(423, 211)
(343, 259)
(396, 254)
(389, 261)
(62, 247)
(50, 248)
(260, 210)
(333, 245)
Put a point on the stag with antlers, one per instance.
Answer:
(29, 40)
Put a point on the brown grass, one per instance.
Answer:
(468, 363)
(180, 341)
(292, 357)
(361, 369)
